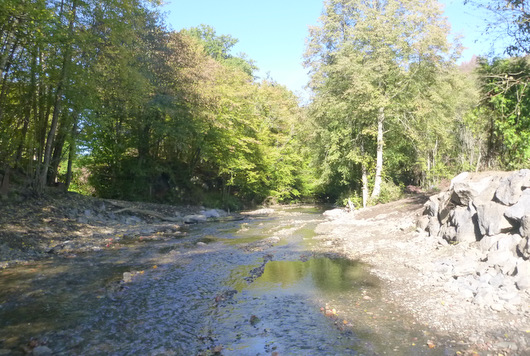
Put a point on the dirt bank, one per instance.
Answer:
(424, 276)
(65, 224)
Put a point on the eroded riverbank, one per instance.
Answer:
(432, 280)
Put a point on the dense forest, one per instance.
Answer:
(99, 97)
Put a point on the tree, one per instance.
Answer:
(369, 61)
(510, 20)
(505, 102)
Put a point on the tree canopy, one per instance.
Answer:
(100, 96)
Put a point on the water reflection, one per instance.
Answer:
(323, 274)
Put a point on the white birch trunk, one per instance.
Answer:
(379, 162)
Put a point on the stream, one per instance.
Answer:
(249, 287)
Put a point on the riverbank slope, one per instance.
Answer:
(430, 278)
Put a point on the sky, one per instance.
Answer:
(273, 32)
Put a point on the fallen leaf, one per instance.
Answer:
(431, 344)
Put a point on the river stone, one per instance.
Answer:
(42, 351)
(431, 206)
(468, 191)
(335, 213)
(511, 187)
(448, 233)
(524, 230)
(523, 275)
(505, 261)
(463, 219)
(491, 220)
(507, 242)
(433, 228)
(127, 277)
(213, 213)
(459, 178)
(194, 219)
(422, 223)
(445, 208)
(484, 296)
(521, 208)
(488, 242)
(524, 248)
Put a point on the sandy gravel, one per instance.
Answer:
(410, 264)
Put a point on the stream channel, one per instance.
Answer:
(248, 287)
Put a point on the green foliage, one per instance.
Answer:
(506, 106)
(381, 68)
(390, 191)
(139, 112)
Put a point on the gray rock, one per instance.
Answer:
(433, 228)
(194, 219)
(127, 277)
(459, 178)
(505, 261)
(522, 280)
(445, 208)
(524, 247)
(462, 219)
(422, 223)
(213, 213)
(448, 233)
(133, 220)
(488, 242)
(510, 189)
(491, 220)
(524, 229)
(507, 242)
(333, 213)
(468, 191)
(432, 206)
(42, 351)
(265, 211)
(484, 296)
(521, 208)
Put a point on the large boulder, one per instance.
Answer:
(463, 219)
(523, 248)
(470, 190)
(511, 187)
(491, 220)
(524, 229)
(519, 209)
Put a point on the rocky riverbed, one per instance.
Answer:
(436, 274)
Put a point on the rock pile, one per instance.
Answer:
(490, 214)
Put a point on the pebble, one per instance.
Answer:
(42, 351)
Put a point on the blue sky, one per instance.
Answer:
(273, 32)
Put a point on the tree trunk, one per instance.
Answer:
(71, 155)
(365, 185)
(379, 163)
(58, 105)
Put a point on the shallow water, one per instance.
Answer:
(249, 288)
